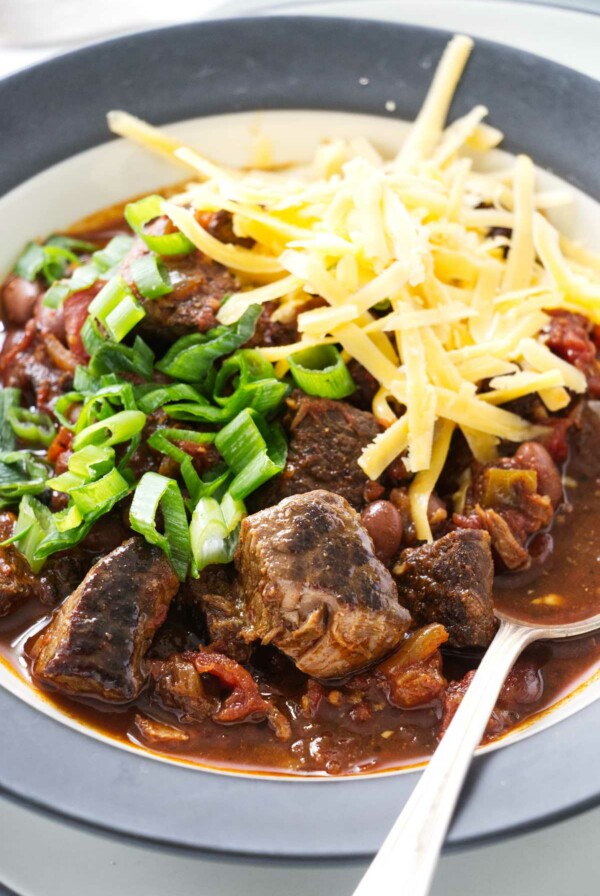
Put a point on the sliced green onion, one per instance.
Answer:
(253, 380)
(104, 492)
(102, 403)
(83, 277)
(191, 357)
(91, 336)
(115, 306)
(31, 426)
(142, 212)
(151, 277)
(30, 262)
(56, 294)
(124, 318)
(113, 253)
(214, 530)
(254, 451)
(92, 461)
(21, 473)
(71, 243)
(66, 482)
(154, 396)
(110, 357)
(116, 429)
(33, 524)
(9, 398)
(69, 518)
(152, 492)
(321, 371)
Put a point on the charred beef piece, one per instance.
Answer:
(96, 641)
(326, 438)
(314, 588)
(199, 286)
(450, 581)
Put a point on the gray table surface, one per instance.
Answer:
(43, 856)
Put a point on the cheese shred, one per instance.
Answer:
(411, 276)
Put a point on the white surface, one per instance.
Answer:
(44, 857)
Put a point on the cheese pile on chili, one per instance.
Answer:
(462, 307)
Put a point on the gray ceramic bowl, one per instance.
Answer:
(57, 109)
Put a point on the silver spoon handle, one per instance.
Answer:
(405, 864)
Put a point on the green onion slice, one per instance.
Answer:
(104, 492)
(33, 524)
(116, 307)
(247, 379)
(253, 450)
(113, 253)
(31, 426)
(151, 277)
(108, 357)
(214, 531)
(10, 398)
(139, 214)
(113, 430)
(191, 357)
(152, 492)
(321, 371)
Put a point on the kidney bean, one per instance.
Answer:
(384, 524)
(18, 298)
(534, 456)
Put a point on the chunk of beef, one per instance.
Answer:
(30, 367)
(366, 386)
(61, 574)
(215, 601)
(220, 225)
(570, 337)
(513, 499)
(326, 438)
(450, 581)
(199, 287)
(178, 687)
(96, 641)
(314, 588)
(17, 582)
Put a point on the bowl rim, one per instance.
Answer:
(132, 794)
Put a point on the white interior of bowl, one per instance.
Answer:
(118, 170)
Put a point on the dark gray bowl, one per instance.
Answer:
(57, 109)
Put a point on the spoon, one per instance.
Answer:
(406, 862)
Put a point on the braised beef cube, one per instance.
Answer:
(199, 287)
(215, 602)
(32, 370)
(326, 438)
(96, 641)
(178, 687)
(314, 588)
(450, 581)
(17, 582)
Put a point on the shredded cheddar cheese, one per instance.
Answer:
(447, 317)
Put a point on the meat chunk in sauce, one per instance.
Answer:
(450, 581)
(199, 287)
(215, 602)
(314, 588)
(513, 499)
(96, 641)
(17, 582)
(326, 438)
